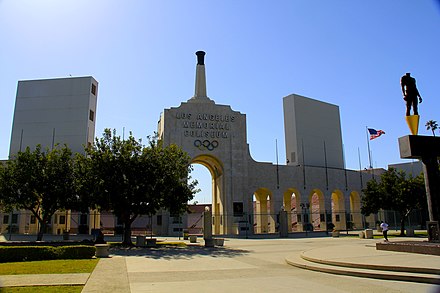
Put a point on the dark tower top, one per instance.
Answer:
(200, 57)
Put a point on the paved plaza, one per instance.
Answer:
(248, 265)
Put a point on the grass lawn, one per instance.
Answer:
(59, 266)
(45, 289)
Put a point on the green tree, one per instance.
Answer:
(395, 191)
(431, 125)
(41, 182)
(130, 179)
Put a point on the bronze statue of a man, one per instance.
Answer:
(410, 93)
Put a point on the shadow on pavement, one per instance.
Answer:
(177, 252)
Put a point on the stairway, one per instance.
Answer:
(391, 272)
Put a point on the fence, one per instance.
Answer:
(242, 224)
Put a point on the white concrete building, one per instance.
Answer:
(312, 132)
(49, 112)
(54, 111)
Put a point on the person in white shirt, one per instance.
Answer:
(384, 227)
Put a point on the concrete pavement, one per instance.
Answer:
(257, 265)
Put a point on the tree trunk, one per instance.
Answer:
(127, 233)
(41, 230)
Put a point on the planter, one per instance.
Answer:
(151, 242)
(368, 233)
(193, 239)
(335, 234)
(102, 250)
(219, 241)
(209, 242)
(410, 232)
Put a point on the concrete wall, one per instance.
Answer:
(412, 168)
(51, 111)
(315, 127)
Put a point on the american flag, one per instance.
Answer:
(375, 133)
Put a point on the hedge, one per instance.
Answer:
(33, 253)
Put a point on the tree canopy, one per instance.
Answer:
(39, 181)
(431, 125)
(395, 191)
(130, 179)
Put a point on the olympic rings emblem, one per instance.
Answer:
(206, 144)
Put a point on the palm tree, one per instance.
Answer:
(432, 124)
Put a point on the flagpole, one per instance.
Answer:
(360, 167)
(326, 170)
(368, 144)
(278, 176)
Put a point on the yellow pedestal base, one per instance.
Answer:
(413, 123)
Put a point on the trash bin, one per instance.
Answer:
(185, 234)
(433, 231)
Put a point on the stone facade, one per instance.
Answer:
(253, 192)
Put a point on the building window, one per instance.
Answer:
(6, 219)
(238, 209)
(33, 220)
(83, 219)
(55, 219)
(159, 220)
(14, 219)
(62, 220)
(177, 220)
(92, 115)
(94, 89)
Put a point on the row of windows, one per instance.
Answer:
(93, 89)
(61, 219)
(83, 219)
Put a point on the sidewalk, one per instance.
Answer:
(257, 265)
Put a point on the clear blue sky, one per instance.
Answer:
(348, 53)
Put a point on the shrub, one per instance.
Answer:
(75, 252)
(33, 253)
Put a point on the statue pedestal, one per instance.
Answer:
(427, 149)
(413, 123)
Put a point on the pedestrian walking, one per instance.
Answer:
(384, 227)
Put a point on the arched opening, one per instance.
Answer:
(355, 209)
(201, 200)
(291, 204)
(264, 215)
(215, 169)
(338, 210)
(204, 178)
(317, 210)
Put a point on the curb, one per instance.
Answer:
(299, 262)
